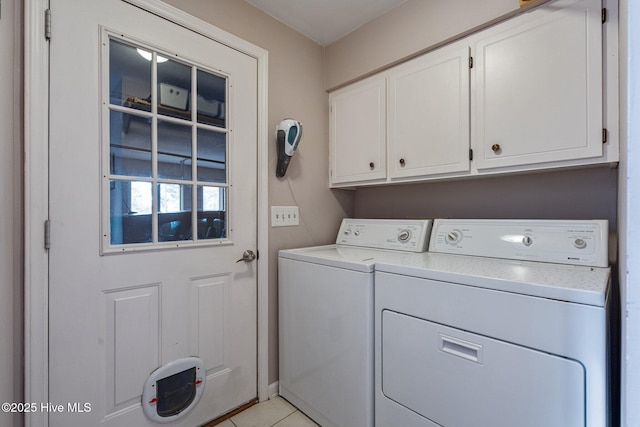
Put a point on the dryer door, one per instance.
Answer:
(455, 378)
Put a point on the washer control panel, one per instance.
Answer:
(404, 235)
(563, 242)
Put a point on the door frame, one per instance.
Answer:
(36, 192)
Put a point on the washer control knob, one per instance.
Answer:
(404, 235)
(580, 243)
(347, 232)
(527, 241)
(453, 237)
(356, 233)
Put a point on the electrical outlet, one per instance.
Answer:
(284, 216)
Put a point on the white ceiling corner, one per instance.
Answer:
(325, 21)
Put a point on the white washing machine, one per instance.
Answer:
(502, 323)
(325, 299)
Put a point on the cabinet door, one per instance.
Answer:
(358, 132)
(538, 87)
(429, 114)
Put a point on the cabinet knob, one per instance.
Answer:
(402, 162)
(496, 148)
(372, 165)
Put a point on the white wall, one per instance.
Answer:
(10, 210)
(629, 202)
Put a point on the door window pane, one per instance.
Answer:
(212, 95)
(129, 76)
(174, 151)
(174, 212)
(212, 212)
(174, 86)
(130, 144)
(129, 225)
(212, 156)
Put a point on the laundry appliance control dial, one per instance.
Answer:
(404, 235)
(453, 237)
(580, 243)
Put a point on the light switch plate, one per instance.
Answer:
(285, 216)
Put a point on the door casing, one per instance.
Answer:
(36, 137)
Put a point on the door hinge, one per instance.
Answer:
(605, 136)
(604, 15)
(470, 155)
(47, 234)
(471, 62)
(47, 24)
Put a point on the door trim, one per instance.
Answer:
(36, 197)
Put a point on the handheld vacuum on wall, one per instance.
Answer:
(288, 136)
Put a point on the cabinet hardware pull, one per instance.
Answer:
(372, 165)
(402, 162)
(495, 148)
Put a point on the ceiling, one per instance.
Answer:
(325, 21)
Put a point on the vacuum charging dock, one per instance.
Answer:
(172, 390)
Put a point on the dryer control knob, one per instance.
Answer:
(453, 237)
(404, 235)
(580, 243)
(527, 241)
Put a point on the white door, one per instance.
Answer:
(152, 201)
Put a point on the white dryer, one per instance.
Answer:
(502, 323)
(325, 299)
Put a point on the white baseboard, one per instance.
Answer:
(274, 390)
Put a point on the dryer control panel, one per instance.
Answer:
(404, 235)
(561, 241)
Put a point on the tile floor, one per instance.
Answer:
(275, 412)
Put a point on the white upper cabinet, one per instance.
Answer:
(541, 92)
(357, 129)
(428, 114)
(538, 88)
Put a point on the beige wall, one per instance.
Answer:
(10, 210)
(295, 90)
(572, 194)
(411, 27)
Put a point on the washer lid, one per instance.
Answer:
(578, 284)
(351, 258)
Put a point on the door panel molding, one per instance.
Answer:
(36, 140)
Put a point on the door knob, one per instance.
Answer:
(247, 256)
